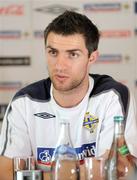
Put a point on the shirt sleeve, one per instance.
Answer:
(131, 127)
(14, 139)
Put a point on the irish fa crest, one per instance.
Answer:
(90, 122)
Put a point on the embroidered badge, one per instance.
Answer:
(90, 122)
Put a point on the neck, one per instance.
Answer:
(71, 98)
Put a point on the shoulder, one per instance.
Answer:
(39, 90)
(104, 83)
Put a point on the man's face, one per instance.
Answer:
(67, 60)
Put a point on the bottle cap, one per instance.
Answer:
(123, 150)
(118, 118)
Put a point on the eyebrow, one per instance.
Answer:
(50, 47)
(69, 50)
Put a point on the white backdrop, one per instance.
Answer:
(22, 56)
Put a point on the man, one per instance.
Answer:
(89, 102)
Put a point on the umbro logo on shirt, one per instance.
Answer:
(45, 115)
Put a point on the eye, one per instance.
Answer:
(52, 52)
(73, 55)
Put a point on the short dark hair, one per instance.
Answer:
(70, 23)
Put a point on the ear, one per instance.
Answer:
(93, 56)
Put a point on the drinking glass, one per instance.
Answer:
(24, 169)
(24, 163)
(95, 168)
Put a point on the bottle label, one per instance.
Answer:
(123, 150)
(64, 149)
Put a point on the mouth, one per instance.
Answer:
(61, 77)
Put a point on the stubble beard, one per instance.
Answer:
(73, 85)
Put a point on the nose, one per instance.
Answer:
(60, 63)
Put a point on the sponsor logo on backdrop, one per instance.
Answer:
(105, 7)
(99, 7)
(116, 33)
(113, 58)
(3, 108)
(109, 58)
(12, 9)
(15, 61)
(6, 86)
(13, 34)
(38, 34)
(7, 34)
(135, 7)
(127, 58)
(55, 9)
